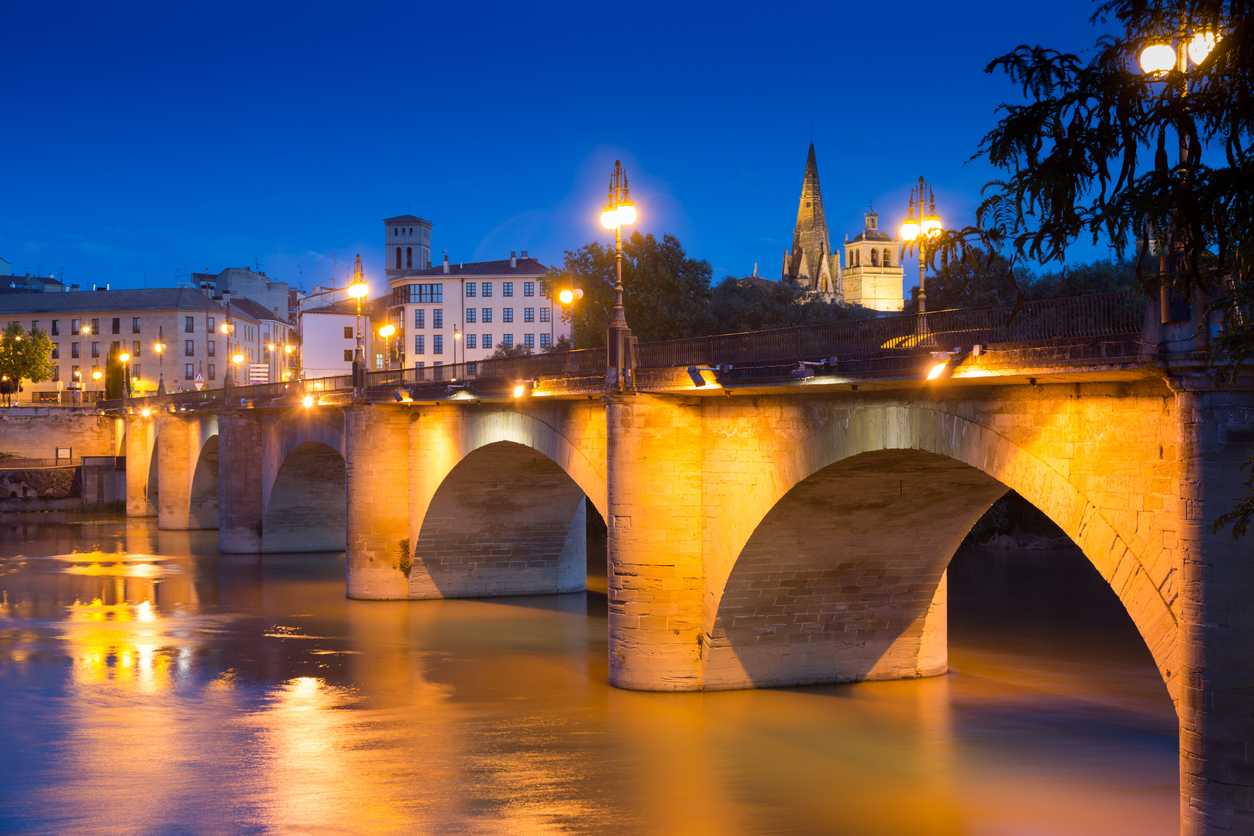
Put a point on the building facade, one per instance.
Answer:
(329, 335)
(85, 325)
(464, 312)
(873, 272)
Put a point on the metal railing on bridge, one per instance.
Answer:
(1050, 320)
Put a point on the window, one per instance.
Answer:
(507, 288)
(486, 287)
(348, 332)
(470, 341)
(212, 348)
(545, 342)
(420, 365)
(95, 327)
(409, 256)
(507, 314)
(470, 369)
(398, 258)
(418, 294)
(134, 325)
(135, 372)
(56, 351)
(117, 325)
(74, 325)
(529, 288)
(544, 314)
(56, 373)
(213, 372)
(95, 349)
(437, 344)
(420, 318)
(420, 343)
(529, 340)
(56, 327)
(875, 258)
(34, 325)
(135, 345)
(888, 261)
(437, 318)
(470, 316)
(189, 325)
(529, 314)
(485, 341)
(857, 258)
(189, 348)
(470, 290)
(189, 371)
(115, 346)
(348, 355)
(74, 350)
(507, 340)
(210, 326)
(76, 374)
(487, 315)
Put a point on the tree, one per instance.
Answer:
(666, 296)
(114, 374)
(518, 350)
(24, 356)
(1077, 159)
(755, 304)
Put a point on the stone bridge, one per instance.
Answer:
(782, 523)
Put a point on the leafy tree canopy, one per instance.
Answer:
(754, 304)
(25, 355)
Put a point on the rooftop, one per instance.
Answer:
(349, 306)
(477, 269)
(99, 301)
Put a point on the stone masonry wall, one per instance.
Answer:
(37, 432)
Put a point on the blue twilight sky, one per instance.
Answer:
(141, 141)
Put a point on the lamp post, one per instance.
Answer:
(96, 377)
(918, 231)
(1158, 59)
(567, 298)
(457, 339)
(618, 210)
(287, 362)
(357, 290)
(386, 332)
(227, 328)
(126, 375)
(237, 358)
(160, 349)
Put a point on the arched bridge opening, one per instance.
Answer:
(306, 509)
(506, 520)
(844, 579)
(203, 497)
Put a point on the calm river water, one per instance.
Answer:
(148, 686)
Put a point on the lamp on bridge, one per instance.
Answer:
(567, 298)
(357, 290)
(918, 231)
(619, 209)
(227, 328)
(386, 332)
(126, 375)
(524, 388)
(159, 347)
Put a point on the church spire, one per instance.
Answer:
(810, 264)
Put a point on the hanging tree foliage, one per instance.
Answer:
(1089, 153)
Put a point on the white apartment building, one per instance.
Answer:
(464, 312)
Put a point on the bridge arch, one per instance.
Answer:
(203, 496)
(306, 510)
(936, 448)
(500, 510)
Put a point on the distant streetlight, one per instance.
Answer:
(619, 209)
(160, 349)
(126, 375)
(386, 332)
(567, 298)
(919, 231)
(228, 328)
(357, 290)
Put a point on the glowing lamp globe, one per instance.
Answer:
(909, 230)
(358, 290)
(95, 375)
(1201, 45)
(1158, 58)
(309, 401)
(124, 357)
(931, 225)
(609, 219)
(626, 213)
(519, 390)
(566, 297)
(387, 331)
(238, 358)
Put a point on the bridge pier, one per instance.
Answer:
(241, 507)
(377, 451)
(1217, 653)
(141, 438)
(187, 459)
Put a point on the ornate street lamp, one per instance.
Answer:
(160, 349)
(126, 375)
(619, 209)
(918, 231)
(357, 290)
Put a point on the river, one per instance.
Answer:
(150, 686)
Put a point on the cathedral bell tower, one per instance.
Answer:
(810, 264)
(873, 270)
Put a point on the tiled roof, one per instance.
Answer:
(153, 298)
(254, 309)
(525, 267)
(405, 219)
(872, 235)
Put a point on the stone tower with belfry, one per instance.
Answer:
(811, 264)
(872, 270)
